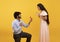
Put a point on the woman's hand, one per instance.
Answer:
(44, 17)
(38, 15)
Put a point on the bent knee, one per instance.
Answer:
(30, 35)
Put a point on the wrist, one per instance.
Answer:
(29, 23)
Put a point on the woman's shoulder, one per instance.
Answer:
(43, 13)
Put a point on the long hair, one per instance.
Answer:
(43, 8)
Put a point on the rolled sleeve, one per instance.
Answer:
(24, 24)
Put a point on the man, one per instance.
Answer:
(17, 28)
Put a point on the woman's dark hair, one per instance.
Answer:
(43, 8)
(16, 14)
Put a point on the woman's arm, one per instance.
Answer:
(44, 17)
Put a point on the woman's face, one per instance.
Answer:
(38, 8)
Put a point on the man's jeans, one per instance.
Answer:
(17, 37)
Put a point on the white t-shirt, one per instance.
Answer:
(16, 26)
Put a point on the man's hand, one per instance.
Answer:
(30, 20)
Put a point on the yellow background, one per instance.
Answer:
(28, 8)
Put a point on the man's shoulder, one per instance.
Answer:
(21, 20)
(14, 21)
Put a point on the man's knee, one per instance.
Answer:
(29, 35)
(17, 40)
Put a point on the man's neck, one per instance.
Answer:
(18, 19)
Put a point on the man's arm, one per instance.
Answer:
(26, 25)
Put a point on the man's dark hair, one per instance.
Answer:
(16, 14)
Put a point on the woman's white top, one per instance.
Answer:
(43, 22)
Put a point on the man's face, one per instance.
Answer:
(19, 17)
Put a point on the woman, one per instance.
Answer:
(44, 32)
